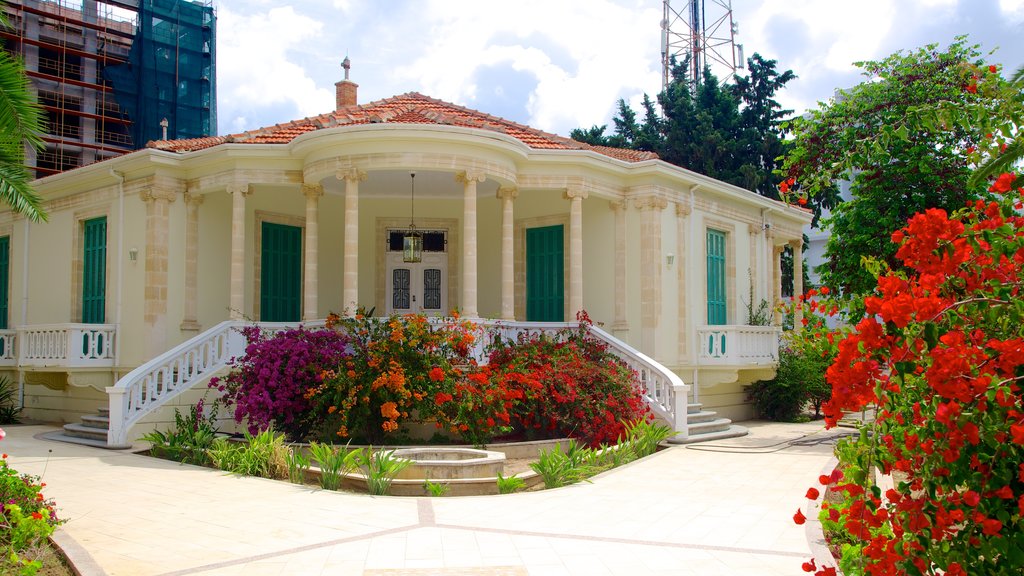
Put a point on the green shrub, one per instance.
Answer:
(510, 484)
(27, 519)
(262, 455)
(334, 463)
(800, 381)
(10, 412)
(380, 468)
(192, 436)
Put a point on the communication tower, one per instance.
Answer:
(703, 33)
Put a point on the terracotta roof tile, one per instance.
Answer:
(409, 108)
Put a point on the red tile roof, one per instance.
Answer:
(409, 108)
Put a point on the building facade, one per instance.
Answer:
(150, 250)
(108, 74)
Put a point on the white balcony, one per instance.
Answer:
(738, 346)
(61, 346)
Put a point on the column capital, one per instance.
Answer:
(192, 198)
(507, 192)
(351, 174)
(778, 248)
(683, 209)
(312, 190)
(152, 193)
(238, 188)
(617, 206)
(467, 176)
(573, 192)
(650, 203)
(797, 244)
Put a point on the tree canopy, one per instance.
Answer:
(898, 165)
(733, 133)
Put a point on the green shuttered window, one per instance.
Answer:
(545, 275)
(716, 277)
(281, 273)
(94, 271)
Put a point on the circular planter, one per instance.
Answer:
(435, 463)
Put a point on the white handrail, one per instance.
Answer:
(733, 345)
(155, 382)
(66, 345)
(159, 380)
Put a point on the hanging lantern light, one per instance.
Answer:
(412, 242)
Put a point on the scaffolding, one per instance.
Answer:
(106, 73)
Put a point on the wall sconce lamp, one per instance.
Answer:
(670, 259)
(133, 254)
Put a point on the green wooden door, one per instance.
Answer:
(716, 278)
(94, 271)
(281, 273)
(5, 271)
(545, 275)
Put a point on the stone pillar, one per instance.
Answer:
(575, 196)
(469, 253)
(508, 293)
(798, 282)
(620, 324)
(190, 322)
(777, 291)
(311, 288)
(158, 211)
(682, 238)
(236, 304)
(350, 280)
(650, 270)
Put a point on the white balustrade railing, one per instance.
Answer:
(738, 345)
(154, 383)
(8, 357)
(66, 345)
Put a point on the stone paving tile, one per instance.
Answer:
(723, 508)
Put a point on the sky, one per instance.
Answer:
(557, 64)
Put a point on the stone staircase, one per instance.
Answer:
(92, 431)
(705, 425)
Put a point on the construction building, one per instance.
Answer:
(109, 73)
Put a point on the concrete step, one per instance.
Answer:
(694, 408)
(87, 432)
(708, 427)
(60, 436)
(731, 431)
(96, 421)
(700, 417)
(103, 411)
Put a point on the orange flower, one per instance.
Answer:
(37, 516)
(332, 409)
(389, 410)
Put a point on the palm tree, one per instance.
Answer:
(21, 122)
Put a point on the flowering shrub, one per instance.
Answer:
(569, 385)
(399, 368)
(269, 384)
(941, 354)
(26, 520)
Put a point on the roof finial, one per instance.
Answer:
(346, 64)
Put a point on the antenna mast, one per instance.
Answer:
(702, 33)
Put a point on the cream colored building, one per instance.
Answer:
(147, 251)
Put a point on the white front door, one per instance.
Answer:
(417, 288)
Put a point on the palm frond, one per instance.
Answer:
(21, 116)
(17, 192)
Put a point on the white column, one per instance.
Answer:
(469, 180)
(650, 270)
(777, 289)
(350, 280)
(236, 303)
(190, 322)
(682, 249)
(158, 210)
(798, 282)
(620, 325)
(311, 288)
(575, 195)
(508, 303)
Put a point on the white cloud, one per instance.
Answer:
(254, 70)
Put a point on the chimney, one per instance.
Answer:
(345, 94)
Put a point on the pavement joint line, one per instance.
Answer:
(288, 551)
(615, 540)
(425, 511)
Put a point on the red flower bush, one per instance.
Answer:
(941, 354)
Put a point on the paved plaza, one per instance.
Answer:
(719, 508)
